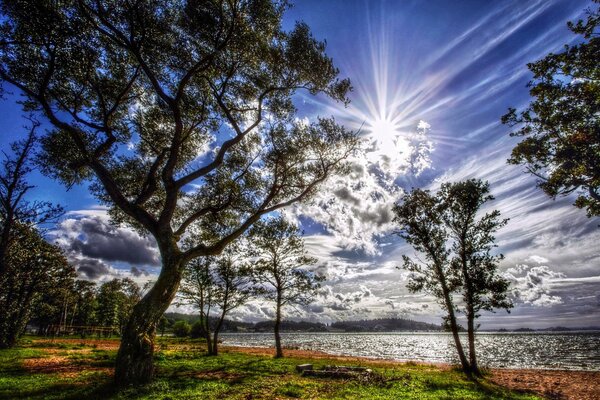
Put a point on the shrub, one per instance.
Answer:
(181, 329)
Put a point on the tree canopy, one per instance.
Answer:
(180, 114)
(561, 128)
(457, 244)
(280, 259)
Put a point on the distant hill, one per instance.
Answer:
(372, 325)
(384, 325)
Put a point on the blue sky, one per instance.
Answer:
(431, 81)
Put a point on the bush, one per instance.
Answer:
(181, 329)
(197, 330)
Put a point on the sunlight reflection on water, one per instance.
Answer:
(572, 350)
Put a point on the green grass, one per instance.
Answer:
(79, 371)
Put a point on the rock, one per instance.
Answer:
(304, 367)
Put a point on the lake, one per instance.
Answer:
(547, 350)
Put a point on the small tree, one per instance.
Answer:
(181, 329)
(220, 283)
(419, 217)
(474, 267)
(15, 209)
(197, 289)
(458, 260)
(180, 113)
(561, 125)
(280, 256)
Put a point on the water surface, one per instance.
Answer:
(548, 350)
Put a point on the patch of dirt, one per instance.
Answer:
(563, 385)
(100, 344)
(59, 365)
(218, 375)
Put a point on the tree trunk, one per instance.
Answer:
(278, 350)
(217, 330)
(453, 325)
(471, 333)
(207, 335)
(135, 357)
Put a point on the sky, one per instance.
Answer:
(431, 80)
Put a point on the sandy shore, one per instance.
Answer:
(550, 384)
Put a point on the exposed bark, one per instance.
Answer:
(278, 349)
(453, 324)
(135, 357)
(474, 368)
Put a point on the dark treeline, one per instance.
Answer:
(371, 325)
(84, 308)
(384, 325)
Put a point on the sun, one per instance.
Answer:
(383, 128)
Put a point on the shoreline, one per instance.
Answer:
(548, 383)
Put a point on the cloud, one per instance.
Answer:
(137, 272)
(532, 285)
(95, 237)
(536, 259)
(356, 208)
(92, 269)
(100, 250)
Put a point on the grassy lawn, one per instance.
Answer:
(76, 370)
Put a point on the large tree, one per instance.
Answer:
(279, 267)
(180, 113)
(458, 245)
(561, 126)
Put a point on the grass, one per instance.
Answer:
(76, 370)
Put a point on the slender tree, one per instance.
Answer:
(180, 114)
(197, 289)
(233, 287)
(561, 144)
(474, 267)
(15, 208)
(280, 256)
(457, 245)
(219, 284)
(419, 217)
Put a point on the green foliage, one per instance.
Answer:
(561, 125)
(457, 245)
(180, 115)
(280, 261)
(33, 268)
(474, 267)
(181, 329)
(116, 299)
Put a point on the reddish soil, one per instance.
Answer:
(59, 365)
(567, 385)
